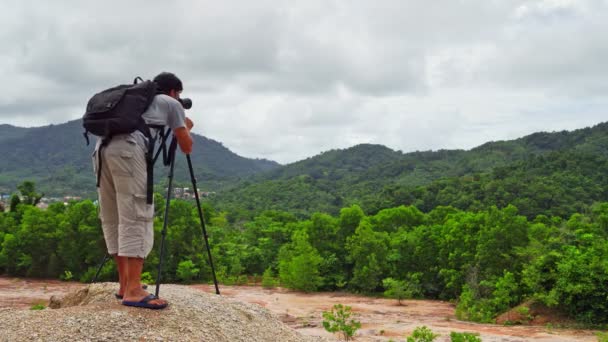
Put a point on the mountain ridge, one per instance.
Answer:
(370, 175)
(317, 184)
(58, 154)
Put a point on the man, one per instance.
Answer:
(126, 218)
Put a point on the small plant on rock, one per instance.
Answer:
(38, 307)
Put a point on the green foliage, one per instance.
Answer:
(474, 309)
(401, 289)
(29, 194)
(339, 320)
(602, 336)
(464, 337)
(505, 292)
(67, 275)
(147, 278)
(186, 271)
(396, 289)
(555, 174)
(422, 334)
(268, 279)
(14, 202)
(488, 299)
(488, 260)
(38, 307)
(299, 264)
(368, 252)
(524, 312)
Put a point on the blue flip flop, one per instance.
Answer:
(143, 286)
(145, 303)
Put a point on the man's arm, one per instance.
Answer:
(184, 140)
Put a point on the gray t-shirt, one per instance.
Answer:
(165, 111)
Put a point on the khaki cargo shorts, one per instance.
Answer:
(126, 218)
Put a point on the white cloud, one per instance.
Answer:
(286, 80)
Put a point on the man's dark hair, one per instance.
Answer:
(167, 81)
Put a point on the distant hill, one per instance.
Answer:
(58, 159)
(8, 132)
(376, 177)
(570, 166)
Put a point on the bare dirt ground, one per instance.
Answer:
(381, 319)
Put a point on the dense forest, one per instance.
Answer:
(487, 260)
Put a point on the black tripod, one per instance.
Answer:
(170, 160)
(172, 149)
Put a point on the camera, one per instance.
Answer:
(186, 102)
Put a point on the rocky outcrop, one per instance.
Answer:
(94, 314)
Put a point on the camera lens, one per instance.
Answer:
(186, 103)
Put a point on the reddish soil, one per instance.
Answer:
(23, 293)
(381, 319)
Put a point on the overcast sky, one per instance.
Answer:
(286, 80)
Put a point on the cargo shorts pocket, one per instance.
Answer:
(123, 165)
(143, 210)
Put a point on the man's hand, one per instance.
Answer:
(184, 140)
(189, 123)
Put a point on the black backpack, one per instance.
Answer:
(119, 110)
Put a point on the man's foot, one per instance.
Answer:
(121, 292)
(139, 295)
(148, 302)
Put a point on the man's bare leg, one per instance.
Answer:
(134, 292)
(121, 265)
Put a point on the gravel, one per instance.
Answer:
(93, 314)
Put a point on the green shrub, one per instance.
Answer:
(242, 280)
(338, 320)
(402, 289)
(524, 311)
(186, 271)
(474, 309)
(422, 334)
(146, 278)
(464, 337)
(602, 336)
(67, 275)
(268, 279)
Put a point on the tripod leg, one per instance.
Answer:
(165, 222)
(103, 262)
(200, 215)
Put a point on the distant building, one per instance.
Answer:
(178, 192)
(188, 193)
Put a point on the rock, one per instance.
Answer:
(93, 314)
